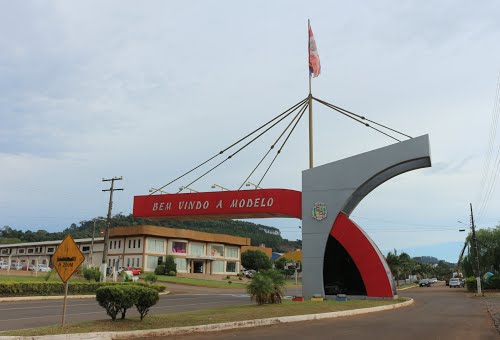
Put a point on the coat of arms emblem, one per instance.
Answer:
(319, 211)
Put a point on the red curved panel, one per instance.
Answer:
(370, 262)
(258, 203)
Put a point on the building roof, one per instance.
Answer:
(151, 230)
(48, 243)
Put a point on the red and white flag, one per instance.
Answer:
(314, 64)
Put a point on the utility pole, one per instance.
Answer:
(474, 240)
(108, 225)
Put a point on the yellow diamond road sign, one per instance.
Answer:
(67, 258)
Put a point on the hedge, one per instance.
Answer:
(8, 289)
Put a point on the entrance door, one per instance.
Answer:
(198, 266)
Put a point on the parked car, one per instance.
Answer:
(455, 282)
(28, 267)
(42, 268)
(251, 273)
(4, 265)
(16, 266)
(424, 283)
(134, 271)
(433, 280)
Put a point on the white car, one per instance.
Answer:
(16, 266)
(42, 268)
(455, 282)
(4, 265)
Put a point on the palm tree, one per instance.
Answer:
(260, 288)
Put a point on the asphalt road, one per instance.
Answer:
(36, 313)
(439, 312)
(27, 314)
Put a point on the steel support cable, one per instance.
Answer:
(487, 162)
(282, 145)
(362, 117)
(333, 107)
(243, 147)
(293, 108)
(271, 148)
(492, 184)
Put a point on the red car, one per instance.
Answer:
(135, 271)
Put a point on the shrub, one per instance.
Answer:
(228, 277)
(267, 287)
(91, 274)
(471, 284)
(172, 273)
(240, 278)
(170, 265)
(160, 270)
(493, 282)
(150, 278)
(146, 298)
(115, 299)
(260, 288)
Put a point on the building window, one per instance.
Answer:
(128, 262)
(110, 244)
(157, 246)
(86, 248)
(153, 262)
(119, 244)
(44, 261)
(130, 244)
(218, 267)
(134, 243)
(109, 262)
(33, 262)
(50, 250)
(138, 263)
(5, 251)
(138, 243)
(197, 249)
(231, 267)
(133, 261)
(179, 247)
(20, 251)
(181, 264)
(217, 250)
(114, 244)
(232, 252)
(30, 251)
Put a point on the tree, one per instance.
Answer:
(280, 263)
(260, 288)
(256, 260)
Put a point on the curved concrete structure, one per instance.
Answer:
(337, 254)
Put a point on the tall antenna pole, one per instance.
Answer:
(311, 164)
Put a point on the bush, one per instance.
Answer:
(493, 283)
(471, 284)
(146, 298)
(8, 289)
(160, 270)
(150, 278)
(170, 265)
(92, 274)
(267, 287)
(172, 273)
(116, 299)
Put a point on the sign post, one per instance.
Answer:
(67, 259)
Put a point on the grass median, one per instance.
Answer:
(223, 283)
(204, 317)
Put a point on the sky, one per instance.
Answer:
(148, 90)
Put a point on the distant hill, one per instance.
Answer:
(433, 261)
(258, 233)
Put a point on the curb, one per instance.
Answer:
(54, 297)
(210, 328)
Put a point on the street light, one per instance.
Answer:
(219, 186)
(255, 185)
(188, 188)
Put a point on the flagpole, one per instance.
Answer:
(311, 165)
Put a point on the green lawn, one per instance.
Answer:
(203, 317)
(40, 278)
(203, 283)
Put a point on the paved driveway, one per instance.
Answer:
(439, 312)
